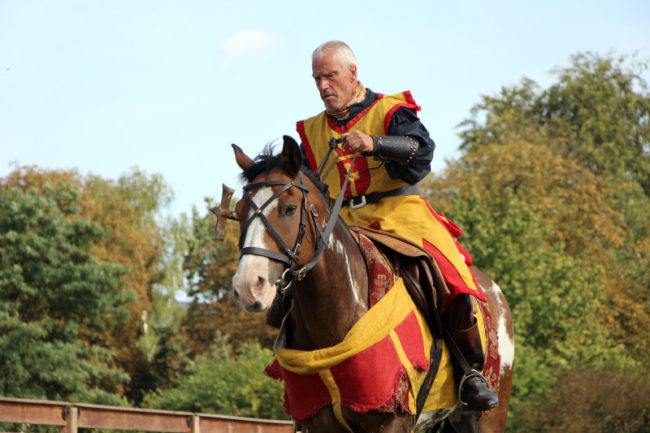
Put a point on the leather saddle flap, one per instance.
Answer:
(419, 270)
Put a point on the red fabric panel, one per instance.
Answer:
(360, 167)
(300, 127)
(453, 279)
(380, 275)
(411, 338)
(303, 395)
(368, 380)
(453, 229)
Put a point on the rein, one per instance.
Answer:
(291, 256)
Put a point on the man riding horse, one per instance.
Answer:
(395, 154)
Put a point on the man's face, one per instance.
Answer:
(335, 83)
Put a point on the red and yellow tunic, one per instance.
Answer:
(409, 216)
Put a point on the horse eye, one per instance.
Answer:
(290, 210)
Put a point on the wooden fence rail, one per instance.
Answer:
(72, 416)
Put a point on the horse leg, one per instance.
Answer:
(370, 422)
(323, 422)
(465, 422)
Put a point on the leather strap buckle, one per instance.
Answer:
(357, 202)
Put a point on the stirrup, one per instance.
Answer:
(466, 376)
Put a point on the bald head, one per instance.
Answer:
(340, 50)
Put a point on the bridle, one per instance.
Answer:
(290, 256)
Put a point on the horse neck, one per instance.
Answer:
(333, 296)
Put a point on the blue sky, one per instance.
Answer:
(102, 86)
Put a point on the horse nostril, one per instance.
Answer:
(236, 294)
(257, 305)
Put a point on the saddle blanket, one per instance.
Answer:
(379, 365)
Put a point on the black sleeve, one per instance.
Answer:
(406, 123)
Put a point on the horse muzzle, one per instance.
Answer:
(252, 287)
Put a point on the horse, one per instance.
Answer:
(289, 235)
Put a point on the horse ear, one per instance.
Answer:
(242, 160)
(291, 156)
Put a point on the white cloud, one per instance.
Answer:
(248, 44)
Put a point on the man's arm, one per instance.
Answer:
(406, 125)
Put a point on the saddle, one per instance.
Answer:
(419, 270)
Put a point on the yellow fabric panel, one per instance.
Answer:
(318, 133)
(370, 329)
(478, 313)
(411, 372)
(444, 390)
(391, 212)
(332, 387)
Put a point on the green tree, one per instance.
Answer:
(551, 189)
(225, 381)
(56, 300)
(129, 210)
(210, 267)
(579, 153)
(599, 108)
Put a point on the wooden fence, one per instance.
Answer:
(72, 416)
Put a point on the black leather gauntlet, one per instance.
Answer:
(396, 149)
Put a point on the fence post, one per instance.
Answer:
(196, 424)
(71, 416)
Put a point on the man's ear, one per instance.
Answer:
(353, 72)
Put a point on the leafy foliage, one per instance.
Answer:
(552, 192)
(210, 267)
(56, 301)
(126, 211)
(591, 400)
(223, 381)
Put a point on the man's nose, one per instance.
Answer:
(322, 85)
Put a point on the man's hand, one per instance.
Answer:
(360, 142)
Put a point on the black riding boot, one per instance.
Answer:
(463, 328)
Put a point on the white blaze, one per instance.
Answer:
(251, 279)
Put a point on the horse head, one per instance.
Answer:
(278, 222)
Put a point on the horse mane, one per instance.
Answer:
(264, 163)
(267, 161)
(322, 186)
